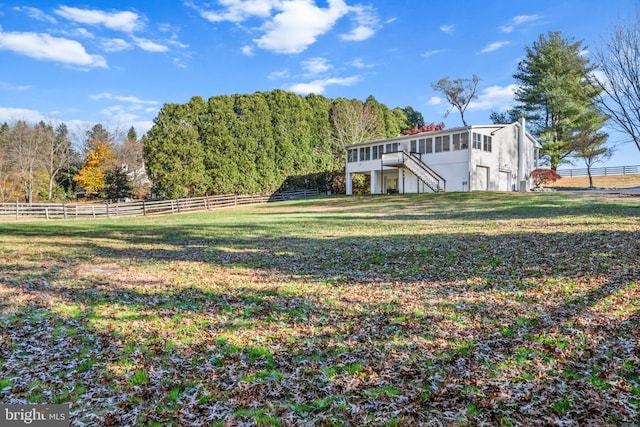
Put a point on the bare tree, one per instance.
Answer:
(354, 121)
(24, 150)
(8, 187)
(56, 148)
(459, 93)
(619, 78)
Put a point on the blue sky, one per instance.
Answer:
(117, 62)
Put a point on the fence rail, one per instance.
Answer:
(141, 208)
(602, 171)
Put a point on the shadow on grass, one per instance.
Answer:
(440, 325)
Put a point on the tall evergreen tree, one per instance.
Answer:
(174, 153)
(258, 142)
(554, 90)
(219, 144)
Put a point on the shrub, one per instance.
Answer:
(543, 176)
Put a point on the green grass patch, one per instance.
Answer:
(306, 311)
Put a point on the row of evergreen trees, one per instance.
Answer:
(262, 142)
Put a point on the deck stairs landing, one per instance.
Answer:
(412, 162)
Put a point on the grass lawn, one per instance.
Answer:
(447, 309)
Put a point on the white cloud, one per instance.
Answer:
(11, 115)
(447, 28)
(519, 20)
(36, 14)
(82, 32)
(319, 86)
(275, 75)
(148, 45)
(314, 66)
(115, 45)
(494, 46)
(366, 22)
(127, 110)
(299, 24)
(358, 34)
(248, 50)
(290, 26)
(9, 86)
(125, 21)
(431, 53)
(434, 100)
(359, 63)
(238, 10)
(128, 99)
(46, 47)
(499, 98)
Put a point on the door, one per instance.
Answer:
(504, 183)
(482, 178)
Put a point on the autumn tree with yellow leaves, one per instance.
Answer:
(99, 161)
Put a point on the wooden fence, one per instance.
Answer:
(602, 171)
(139, 208)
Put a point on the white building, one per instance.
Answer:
(475, 158)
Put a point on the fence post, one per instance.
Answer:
(107, 205)
(93, 210)
(144, 208)
(17, 207)
(64, 210)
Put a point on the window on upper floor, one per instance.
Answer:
(391, 147)
(352, 155)
(365, 153)
(376, 152)
(460, 141)
(477, 141)
(486, 146)
(464, 141)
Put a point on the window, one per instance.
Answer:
(352, 155)
(414, 146)
(438, 144)
(429, 145)
(391, 147)
(464, 141)
(477, 141)
(487, 143)
(460, 141)
(377, 152)
(445, 143)
(365, 153)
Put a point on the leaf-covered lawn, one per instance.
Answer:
(449, 309)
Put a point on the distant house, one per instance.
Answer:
(476, 158)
